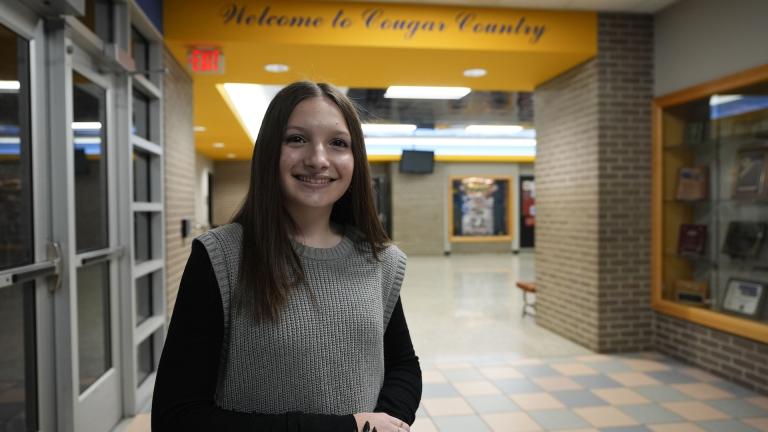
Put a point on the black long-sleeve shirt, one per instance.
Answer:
(188, 370)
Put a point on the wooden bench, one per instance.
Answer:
(529, 306)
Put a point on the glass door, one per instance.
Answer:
(94, 269)
(25, 261)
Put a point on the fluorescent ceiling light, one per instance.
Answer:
(418, 92)
(452, 146)
(87, 140)
(218, 145)
(9, 85)
(723, 99)
(376, 128)
(249, 103)
(200, 129)
(494, 129)
(475, 73)
(86, 125)
(276, 68)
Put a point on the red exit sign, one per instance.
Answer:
(206, 60)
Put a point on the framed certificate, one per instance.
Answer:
(751, 174)
(744, 297)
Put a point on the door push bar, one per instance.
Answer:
(49, 268)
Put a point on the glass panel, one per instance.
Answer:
(143, 298)
(90, 136)
(98, 17)
(15, 161)
(715, 195)
(141, 180)
(93, 323)
(18, 371)
(143, 236)
(140, 115)
(146, 359)
(140, 51)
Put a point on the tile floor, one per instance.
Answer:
(486, 368)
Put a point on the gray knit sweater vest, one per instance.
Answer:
(324, 356)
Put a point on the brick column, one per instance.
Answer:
(593, 192)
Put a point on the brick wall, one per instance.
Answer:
(566, 204)
(733, 357)
(180, 181)
(593, 189)
(230, 185)
(625, 91)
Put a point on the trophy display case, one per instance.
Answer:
(710, 204)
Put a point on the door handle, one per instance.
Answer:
(51, 267)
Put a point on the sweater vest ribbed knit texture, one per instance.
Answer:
(323, 356)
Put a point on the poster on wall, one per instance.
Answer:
(480, 209)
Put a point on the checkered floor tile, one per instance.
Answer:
(641, 392)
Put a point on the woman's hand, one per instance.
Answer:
(380, 422)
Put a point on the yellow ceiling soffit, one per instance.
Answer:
(367, 45)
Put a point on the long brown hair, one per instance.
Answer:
(269, 267)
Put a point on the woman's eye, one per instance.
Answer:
(339, 143)
(294, 139)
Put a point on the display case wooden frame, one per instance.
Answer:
(481, 238)
(750, 329)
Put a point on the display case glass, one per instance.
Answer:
(711, 204)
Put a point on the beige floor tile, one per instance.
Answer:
(432, 377)
(476, 388)
(759, 423)
(423, 424)
(140, 423)
(699, 374)
(594, 358)
(621, 396)
(446, 407)
(605, 417)
(634, 379)
(500, 372)
(573, 369)
(557, 383)
(703, 391)
(760, 401)
(511, 422)
(536, 401)
(525, 361)
(454, 366)
(676, 427)
(644, 365)
(695, 411)
(578, 430)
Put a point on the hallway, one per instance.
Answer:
(486, 368)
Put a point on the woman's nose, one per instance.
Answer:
(316, 156)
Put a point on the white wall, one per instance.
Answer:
(701, 40)
(203, 166)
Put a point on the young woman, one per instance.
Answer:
(289, 318)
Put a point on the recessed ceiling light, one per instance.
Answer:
(494, 129)
(218, 145)
(231, 155)
(420, 92)
(276, 68)
(200, 129)
(475, 73)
